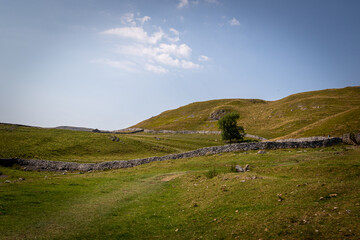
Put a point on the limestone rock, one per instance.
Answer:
(217, 114)
(239, 168)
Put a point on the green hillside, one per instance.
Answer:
(77, 146)
(176, 199)
(330, 111)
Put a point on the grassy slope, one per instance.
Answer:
(298, 115)
(174, 200)
(65, 145)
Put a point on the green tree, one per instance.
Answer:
(229, 129)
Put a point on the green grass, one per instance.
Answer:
(175, 200)
(298, 115)
(66, 145)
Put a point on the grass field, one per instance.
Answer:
(176, 200)
(66, 145)
(326, 112)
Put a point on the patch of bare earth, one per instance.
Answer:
(170, 177)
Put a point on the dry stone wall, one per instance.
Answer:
(136, 130)
(71, 166)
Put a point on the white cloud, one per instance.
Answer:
(203, 58)
(234, 22)
(156, 52)
(182, 51)
(189, 65)
(175, 35)
(135, 33)
(144, 19)
(155, 69)
(183, 3)
(128, 19)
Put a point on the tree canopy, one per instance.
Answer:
(229, 129)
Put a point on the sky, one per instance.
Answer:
(110, 64)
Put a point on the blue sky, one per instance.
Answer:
(110, 64)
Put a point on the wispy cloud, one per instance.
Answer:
(154, 51)
(135, 33)
(155, 69)
(234, 22)
(203, 58)
(183, 3)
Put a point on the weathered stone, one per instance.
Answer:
(217, 114)
(238, 168)
(261, 152)
(346, 138)
(247, 168)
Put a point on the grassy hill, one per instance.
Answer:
(330, 111)
(78, 146)
(175, 199)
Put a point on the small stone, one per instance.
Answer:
(333, 195)
(261, 152)
(266, 229)
(316, 230)
(176, 230)
(21, 179)
(7, 181)
(335, 208)
(321, 198)
(236, 211)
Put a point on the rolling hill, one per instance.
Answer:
(325, 112)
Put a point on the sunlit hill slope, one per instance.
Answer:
(324, 112)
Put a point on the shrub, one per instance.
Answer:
(211, 173)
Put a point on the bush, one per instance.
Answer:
(211, 173)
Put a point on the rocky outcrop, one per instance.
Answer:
(217, 114)
(351, 138)
(71, 166)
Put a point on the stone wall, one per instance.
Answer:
(136, 130)
(71, 166)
